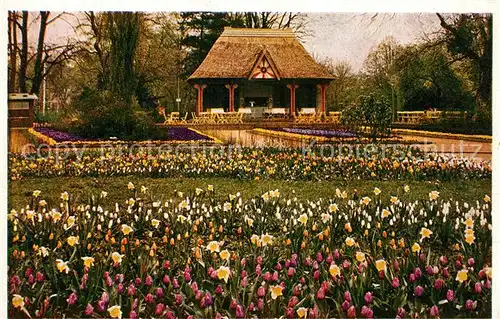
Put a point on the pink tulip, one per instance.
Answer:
(290, 273)
(109, 282)
(261, 291)
(259, 260)
(149, 298)
(319, 257)
(316, 275)
(159, 292)
(422, 257)
(178, 299)
(329, 259)
(430, 270)
(443, 260)
(72, 299)
(219, 290)
(166, 265)
(471, 262)
(275, 276)
(240, 311)
(278, 266)
(396, 265)
(487, 284)
(290, 313)
(166, 279)
(89, 310)
(395, 282)
(308, 262)
(120, 288)
(132, 315)
(351, 312)
(368, 297)
(138, 281)
(194, 286)
(346, 264)
(320, 294)
(412, 278)
(347, 296)
(170, 315)
(446, 273)
(450, 295)
(243, 262)
(302, 280)
(418, 273)
(149, 281)
(260, 304)
(418, 291)
(159, 309)
(345, 305)
(296, 291)
(435, 311)
(131, 290)
(477, 288)
(233, 304)
(336, 254)
(293, 301)
(251, 307)
(119, 278)
(469, 305)
(439, 284)
(175, 283)
(258, 270)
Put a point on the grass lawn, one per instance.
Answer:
(163, 188)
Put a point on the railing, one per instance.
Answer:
(417, 117)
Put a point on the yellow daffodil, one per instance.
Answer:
(62, 266)
(255, 239)
(326, 218)
(210, 188)
(433, 195)
(126, 229)
(366, 200)
(88, 261)
(303, 219)
(469, 238)
(155, 223)
(415, 248)
(130, 186)
(334, 270)
(181, 218)
(223, 273)
(72, 240)
(488, 271)
(116, 257)
(144, 189)
(385, 213)
(425, 233)
(360, 256)
(266, 239)
(213, 246)
(115, 312)
(276, 291)
(302, 312)
(469, 223)
(71, 221)
(377, 191)
(198, 191)
(55, 215)
(333, 208)
(350, 242)
(462, 275)
(17, 301)
(394, 200)
(486, 199)
(65, 196)
(36, 193)
(381, 265)
(406, 188)
(225, 255)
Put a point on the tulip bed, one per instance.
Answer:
(204, 254)
(396, 163)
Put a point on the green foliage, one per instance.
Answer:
(427, 80)
(369, 113)
(102, 114)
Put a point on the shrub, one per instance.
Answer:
(369, 114)
(102, 114)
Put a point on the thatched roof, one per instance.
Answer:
(236, 53)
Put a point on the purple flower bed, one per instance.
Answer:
(185, 134)
(174, 134)
(60, 136)
(322, 133)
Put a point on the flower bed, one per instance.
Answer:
(175, 135)
(477, 138)
(248, 163)
(203, 255)
(328, 136)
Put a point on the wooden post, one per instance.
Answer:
(199, 102)
(231, 87)
(322, 88)
(292, 87)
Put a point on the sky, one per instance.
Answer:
(338, 36)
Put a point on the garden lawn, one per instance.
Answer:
(81, 188)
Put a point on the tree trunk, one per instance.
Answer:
(37, 80)
(12, 50)
(24, 53)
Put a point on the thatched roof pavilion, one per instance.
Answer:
(263, 68)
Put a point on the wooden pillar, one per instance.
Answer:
(322, 88)
(231, 87)
(292, 87)
(199, 102)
